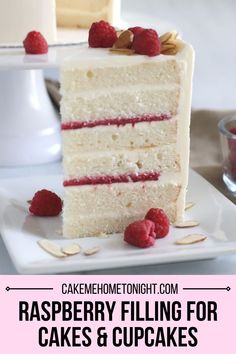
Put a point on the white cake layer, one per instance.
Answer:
(17, 18)
(90, 210)
(110, 137)
(124, 102)
(82, 13)
(120, 162)
(81, 80)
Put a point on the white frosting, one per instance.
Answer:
(17, 18)
(183, 134)
(87, 58)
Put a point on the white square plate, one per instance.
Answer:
(21, 231)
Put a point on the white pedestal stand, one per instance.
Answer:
(29, 125)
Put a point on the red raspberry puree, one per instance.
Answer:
(94, 180)
(115, 121)
(141, 177)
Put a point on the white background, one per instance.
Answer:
(210, 25)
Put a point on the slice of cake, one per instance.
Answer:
(81, 13)
(125, 127)
(17, 18)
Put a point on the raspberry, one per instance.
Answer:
(136, 30)
(46, 203)
(147, 42)
(233, 172)
(102, 35)
(232, 142)
(140, 233)
(161, 221)
(35, 43)
(232, 157)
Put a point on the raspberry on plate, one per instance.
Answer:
(46, 203)
(35, 43)
(102, 35)
(147, 42)
(161, 221)
(140, 233)
(136, 29)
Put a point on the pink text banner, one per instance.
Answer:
(117, 314)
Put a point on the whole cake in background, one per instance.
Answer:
(125, 128)
(82, 13)
(18, 17)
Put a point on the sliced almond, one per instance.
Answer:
(72, 249)
(168, 36)
(122, 51)
(188, 205)
(177, 43)
(167, 46)
(118, 32)
(174, 35)
(124, 40)
(187, 223)
(190, 239)
(170, 44)
(171, 51)
(51, 248)
(59, 232)
(165, 37)
(91, 251)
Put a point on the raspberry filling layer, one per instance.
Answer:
(114, 121)
(142, 177)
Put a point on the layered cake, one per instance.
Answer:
(17, 18)
(80, 13)
(125, 128)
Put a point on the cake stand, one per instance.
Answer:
(30, 126)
